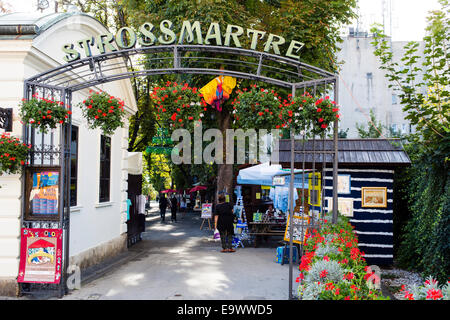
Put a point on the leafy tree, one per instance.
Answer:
(314, 22)
(425, 244)
(374, 128)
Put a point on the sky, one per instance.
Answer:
(408, 17)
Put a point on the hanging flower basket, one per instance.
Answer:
(297, 113)
(13, 154)
(259, 108)
(103, 111)
(42, 113)
(323, 114)
(178, 104)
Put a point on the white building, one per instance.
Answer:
(97, 228)
(364, 87)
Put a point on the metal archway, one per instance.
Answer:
(60, 82)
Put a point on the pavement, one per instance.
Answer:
(178, 261)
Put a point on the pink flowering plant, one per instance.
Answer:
(43, 113)
(333, 267)
(103, 111)
(13, 154)
(431, 290)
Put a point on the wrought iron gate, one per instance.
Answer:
(61, 82)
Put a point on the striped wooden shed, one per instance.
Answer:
(366, 170)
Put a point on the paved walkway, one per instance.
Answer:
(179, 261)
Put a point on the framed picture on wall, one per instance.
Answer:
(344, 184)
(42, 193)
(374, 197)
(345, 206)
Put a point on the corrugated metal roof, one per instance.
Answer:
(350, 151)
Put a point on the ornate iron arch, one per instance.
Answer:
(62, 81)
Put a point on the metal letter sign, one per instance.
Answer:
(127, 38)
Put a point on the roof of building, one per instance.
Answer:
(368, 152)
(23, 26)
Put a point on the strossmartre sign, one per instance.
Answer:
(166, 36)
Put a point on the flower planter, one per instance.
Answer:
(13, 154)
(103, 111)
(178, 104)
(42, 113)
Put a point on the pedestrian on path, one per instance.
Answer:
(223, 221)
(162, 206)
(173, 208)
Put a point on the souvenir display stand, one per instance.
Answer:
(241, 228)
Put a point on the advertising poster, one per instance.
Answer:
(206, 210)
(40, 255)
(44, 193)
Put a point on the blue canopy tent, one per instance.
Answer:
(261, 174)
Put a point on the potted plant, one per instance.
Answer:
(103, 111)
(42, 113)
(13, 154)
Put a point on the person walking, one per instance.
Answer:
(162, 206)
(173, 208)
(223, 221)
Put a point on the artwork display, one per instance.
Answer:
(344, 184)
(206, 211)
(238, 211)
(345, 206)
(314, 189)
(297, 229)
(42, 193)
(374, 197)
(257, 217)
(40, 256)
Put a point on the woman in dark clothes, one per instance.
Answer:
(173, 208)
(223, 220)
(162, 206)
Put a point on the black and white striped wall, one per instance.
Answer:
(373, 226)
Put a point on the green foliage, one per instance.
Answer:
(429, 112)
(374, 128)
(13, 154)
(103, 111)
(42, 113)
(425, 246)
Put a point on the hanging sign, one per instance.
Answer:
(278, 181)
(146, 35)
(40, 255)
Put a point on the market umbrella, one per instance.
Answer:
(197, 188)
(168, 191)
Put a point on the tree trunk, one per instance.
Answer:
(225, 171)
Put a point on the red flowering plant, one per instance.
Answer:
(322, 114)
(297, 112)
(431, 290)
(178, 104)
(333, 268)
(13, 154)
(103, 111)
(43, 113)
(259, 108)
